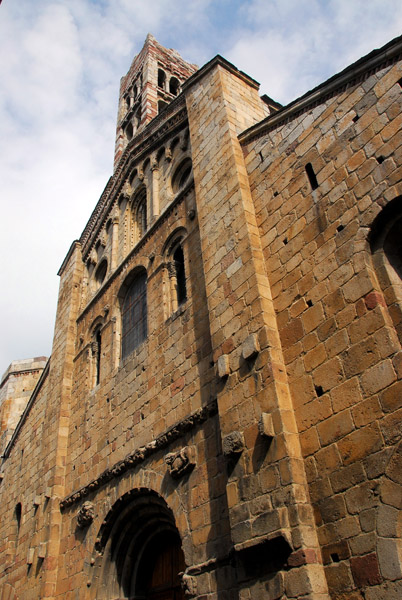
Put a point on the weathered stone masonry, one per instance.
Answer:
(220, 416)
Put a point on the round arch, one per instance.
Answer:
(384, 239)
(138, 550)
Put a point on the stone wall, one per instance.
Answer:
(17, 385)
(341, 349)
(257, 420)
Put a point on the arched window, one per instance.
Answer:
(134, 314)
(140, 213)
(175, 284)
(180, 275)
(96, 355)
(129, 131)
(161, 78)
(100, 273)
(174, 86)
(386, 247)
(182, 175)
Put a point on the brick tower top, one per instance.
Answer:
(153, 80)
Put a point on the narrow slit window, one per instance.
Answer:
(98, 353)
(311, 176)
(181, 291)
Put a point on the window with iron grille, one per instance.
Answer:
(134, 315)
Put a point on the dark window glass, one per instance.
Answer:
(178, 258)
(134, 315)
(161, 78)
(174, 86)
(98, 347)
(142, 216)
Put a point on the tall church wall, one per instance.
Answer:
(160, 399)
(338, 319)
(226, 362)
(266, 486)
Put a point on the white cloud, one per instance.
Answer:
(60, 70)
(292, 45)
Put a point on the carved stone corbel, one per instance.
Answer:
(86, 515)
(233, 444)
(92, 258)
(154, 163)
(181, 462)
(168, 153)
(188, 585)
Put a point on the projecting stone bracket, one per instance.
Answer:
(86, 515)
(181, 462)
(233, 444)
(30, 556)
(266, 426)
(250, 347)
(223, 366)
(189, 585)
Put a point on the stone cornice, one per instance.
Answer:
(218, 60)
(352, 75)
(139, 455)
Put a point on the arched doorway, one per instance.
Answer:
(139, 553)
(158, 577)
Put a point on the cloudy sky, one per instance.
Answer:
(61, 62)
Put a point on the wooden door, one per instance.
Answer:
(168, 563)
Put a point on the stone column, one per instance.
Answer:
(155, 189)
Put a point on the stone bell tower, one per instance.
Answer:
(152, 82)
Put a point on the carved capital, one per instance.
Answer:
(180, 462)
(168, 153)
(171, 270)
(86, 515)
(154, 163)
(188, 584)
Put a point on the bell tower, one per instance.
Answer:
(153, 80)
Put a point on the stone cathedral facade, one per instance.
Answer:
(220, 416)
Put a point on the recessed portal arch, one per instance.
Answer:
(139, 551)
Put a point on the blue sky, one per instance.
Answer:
(60, 70)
